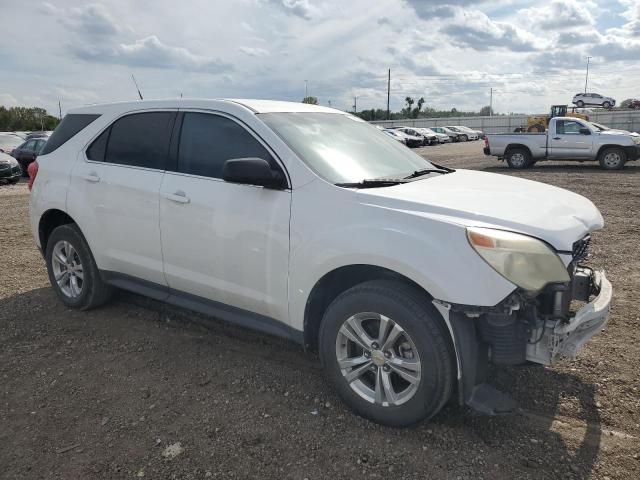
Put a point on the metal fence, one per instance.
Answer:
(625, 120)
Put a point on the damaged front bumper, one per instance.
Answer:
(556, 338)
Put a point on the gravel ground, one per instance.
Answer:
(111, 393)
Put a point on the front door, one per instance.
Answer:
(224, 242)
(568, 142)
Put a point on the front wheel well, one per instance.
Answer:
(332, 284)
(49, 221)
(605, 147)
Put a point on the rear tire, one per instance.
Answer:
(580, 104)
(612, 158)
(415, 337)
(518, 158)
(72, 270)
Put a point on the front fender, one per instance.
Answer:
(432, 253)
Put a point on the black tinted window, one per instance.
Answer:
(208, 141)
(68, 127)
(141, 140)
(98, 147)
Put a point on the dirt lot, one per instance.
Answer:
(102, 394)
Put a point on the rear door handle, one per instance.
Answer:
(92, 177)
(178, 197)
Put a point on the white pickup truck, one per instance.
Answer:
(567, 138)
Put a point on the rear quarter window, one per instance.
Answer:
(70, 125)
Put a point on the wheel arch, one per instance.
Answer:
(50, 220)
(515, 146)
(604, 147)
(338, 280)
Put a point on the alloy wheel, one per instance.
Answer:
(378, 359)
(67, 269)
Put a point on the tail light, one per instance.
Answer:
(32, 170)
(486, 142)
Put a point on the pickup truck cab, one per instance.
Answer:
(567, 138)
(309, 223)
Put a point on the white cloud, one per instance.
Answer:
(562, 15)
(254, 51)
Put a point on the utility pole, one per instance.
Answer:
(388, 94)
(355, 104)
(329, 103)
(586, 78)
(60, 109)
(306, 90)
(491, 102)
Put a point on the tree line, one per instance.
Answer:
(26, 119)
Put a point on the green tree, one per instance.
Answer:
(486, 111)
(26, 118)
(626, 103)
(311, 100)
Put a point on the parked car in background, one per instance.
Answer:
(592, 99)
(31, 135)
(567, 138)
(411, 141)
(28, 151)
(416, 132)
(479, 133)
(440, 137)
(406, 277)
(635, 104)
(395, 135)
(464, 134)
(9, 142)
(10, 170)
(453, 136)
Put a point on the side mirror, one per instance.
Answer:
(252, 171)
(585, 131)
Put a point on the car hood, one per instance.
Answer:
(472, 198)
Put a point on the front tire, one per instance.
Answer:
(606, 105)
(464, 138)
(518, 158)
(580, 104)
(72, 270)
(387, 352)
(612, 158)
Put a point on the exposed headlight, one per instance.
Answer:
(636, 140)
(523, 260)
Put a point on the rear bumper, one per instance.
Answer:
(555, 339)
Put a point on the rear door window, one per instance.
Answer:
(207, 141)
(139, 140)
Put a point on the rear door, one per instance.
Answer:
(224, 242)
(568, 142)
(117, 181)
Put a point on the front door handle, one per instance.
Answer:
(178, 197)
(557, 138)
(92, 177)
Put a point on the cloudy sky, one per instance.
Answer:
(533, 53)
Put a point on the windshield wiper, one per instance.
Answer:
(426, 171)
(373, 183)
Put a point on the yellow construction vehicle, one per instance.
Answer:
(541, 122)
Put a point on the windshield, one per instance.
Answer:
(342, 148)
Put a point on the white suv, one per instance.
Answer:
(309, 223)
(593, 99)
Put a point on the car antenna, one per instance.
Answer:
(137, 88)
